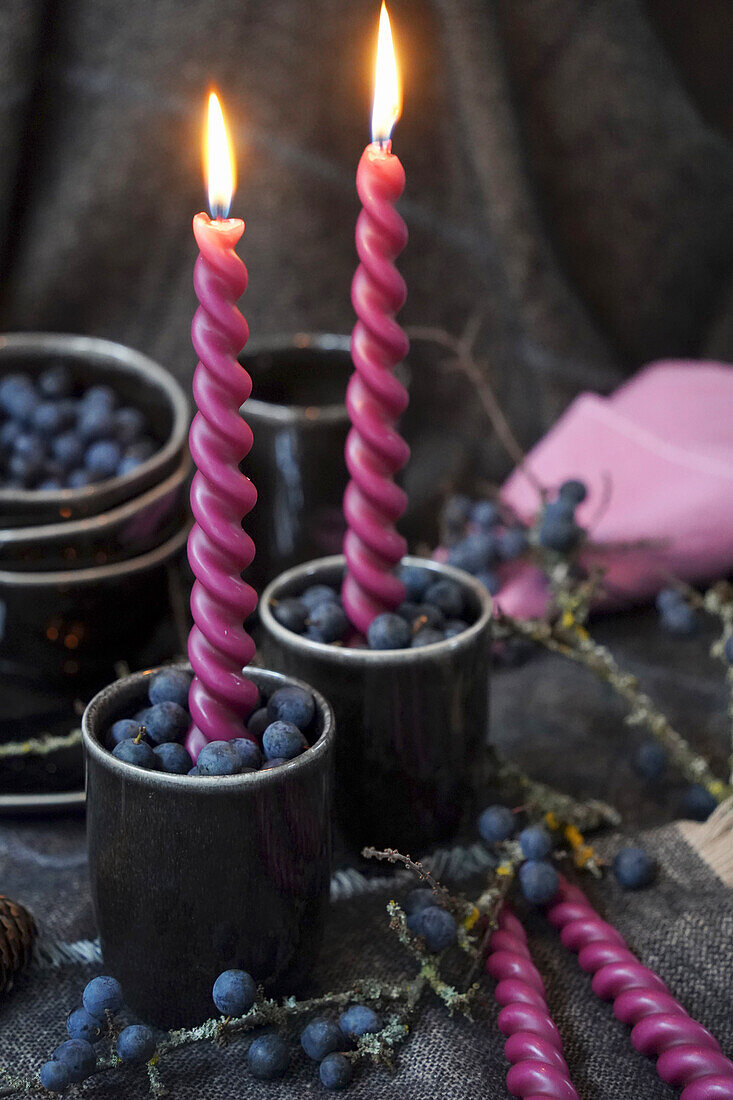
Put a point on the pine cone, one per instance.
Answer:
(17, 933)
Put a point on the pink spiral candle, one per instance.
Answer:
(221, 698)
(688, 1056)
(375, 399)
(533, 1046)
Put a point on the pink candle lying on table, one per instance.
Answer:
(221, 698)
(375, 399)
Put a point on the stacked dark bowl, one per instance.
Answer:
(85, 572)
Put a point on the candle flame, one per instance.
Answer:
(220, 169)
(387, 106)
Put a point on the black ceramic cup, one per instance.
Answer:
(299, 420)
(412, 723)
(193, 876)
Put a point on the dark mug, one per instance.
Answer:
(192, 876)
(412, 723)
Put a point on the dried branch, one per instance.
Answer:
(40, 746)
(391, 855)
(462, 359)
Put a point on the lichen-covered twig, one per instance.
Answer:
(718, 602)
(540, 799)
(573, 642)
(391, 855)
(265, 1012)
(40, 746)
(490, 903)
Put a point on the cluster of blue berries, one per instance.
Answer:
(426, 918)
(76, 1059)
(325, 1041)
(55, 436)
(538, 878)
(276, 732)
(481, 538)
(434, 609)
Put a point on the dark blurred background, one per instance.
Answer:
(569, 167)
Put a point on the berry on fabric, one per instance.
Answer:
(102, 994)
(539, 881)
(535, 842)
(320, 1037)
(358, 1020)
(135, 1043)
(268, 1057)
(234, 992)
(78, 1058)
(633, 868)
(496, 823)
(335, 1072)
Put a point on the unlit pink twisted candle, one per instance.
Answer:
(533, 1046)
(688, 1056)
(375, 398)
(221, 698)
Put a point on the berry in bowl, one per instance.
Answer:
(84, 424)
(434, 610)
(152, 738)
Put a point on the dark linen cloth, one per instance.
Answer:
(564, 728)
(682, 928)
(569, 166)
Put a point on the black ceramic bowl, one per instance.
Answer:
(412, 723)
(69, 626)
(130, 529)
(193, 876)
(298, 415)
(138, 380)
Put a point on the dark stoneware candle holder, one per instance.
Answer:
(412, 723)
(193, 876)
(299, 420)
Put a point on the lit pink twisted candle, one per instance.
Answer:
(688, 1056)
(221, 698)
(534, 1046)
(375, 399)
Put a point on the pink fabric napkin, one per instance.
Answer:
(657, 457)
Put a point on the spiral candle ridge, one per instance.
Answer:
(375, 399)
(688, 1056)
(533, 1046)
(221, 698)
